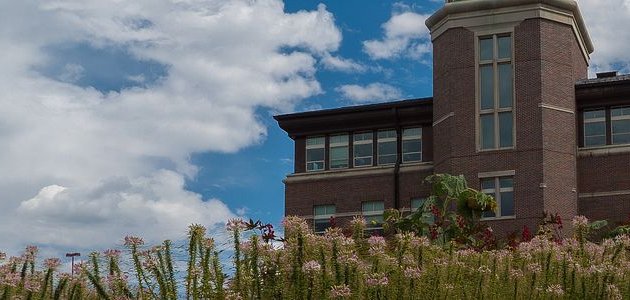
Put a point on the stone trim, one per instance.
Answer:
(476, 15)
(603, 150)
(604, 194)
(554, 107)
(496, 174)
(357, 172)
(443, 118)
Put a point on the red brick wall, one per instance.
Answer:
(546, 65)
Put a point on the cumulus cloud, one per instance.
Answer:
(372, 92)
(604, 21)
(336, 63)
(404, 35)
(83, 166)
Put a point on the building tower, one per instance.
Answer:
(504, 111)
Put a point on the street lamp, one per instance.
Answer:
(73, 254)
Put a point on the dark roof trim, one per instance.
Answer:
(356, 108)
(592, 82)
(468, 6)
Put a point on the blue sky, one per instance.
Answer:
(142, 117)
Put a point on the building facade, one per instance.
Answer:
(512, 110)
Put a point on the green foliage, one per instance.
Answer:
(450, 214)
(335, 266)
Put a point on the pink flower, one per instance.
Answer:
(311, 267)
(52, 263)
(133, 241)
(340, 291)
(413, 273)
(377, 280)
(112, 253)
(235, 225)
(579, 221)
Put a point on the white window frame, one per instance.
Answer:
(324, 217)
(339, 145)
(315, 146)
(380, 140)
(408, 138)
(586, 121)
(362, 142)
(613, 119)
(372, 213)
(496, 110)
(496, 193)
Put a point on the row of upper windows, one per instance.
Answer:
(362, 148)
(596, 123)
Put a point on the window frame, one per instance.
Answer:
(594, 120)
(410, 138)
(323, 217)
(496, 193)
(380, 140)
(362, 142)
(496, 110)
(616, 118)
(312, 147)
(373, 213)
(338, 145)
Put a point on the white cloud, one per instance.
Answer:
(71, 73)
(606, 22)
(372, 92)
(405, 35)
(81, 167)
(336, 63)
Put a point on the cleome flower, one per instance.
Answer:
(579, 221)
(52, 263)
(311, 267)
(235, 225)
(133, 241)
(112, 253)
(413, 273)
(340, 291)
(377, 280)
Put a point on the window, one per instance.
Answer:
(339, 151)
(501, 188)
(373, 215)
(412, 144)
(387, 147)
(594, 128)
(619, 125)
(362, 149)
(315, 153)
(321, 217)
(495, 92)
(416, 203)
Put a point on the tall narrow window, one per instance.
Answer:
(321, 217)
(362, 149)
(315, 153)
(495, 92)
(501, 188)
(412, 144)
(387, 153)
(339, 151)
(373, 215)
(620, 125)
(595, 128)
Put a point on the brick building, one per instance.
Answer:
(512, 110)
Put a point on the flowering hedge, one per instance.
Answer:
(333, 266)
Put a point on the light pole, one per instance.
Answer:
(73, 254)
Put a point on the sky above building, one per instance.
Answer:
(142, 117)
